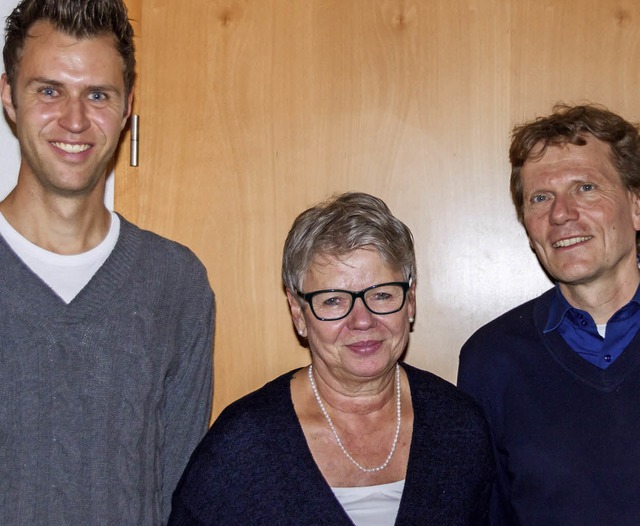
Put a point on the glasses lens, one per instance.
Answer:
(385, 299)
(331, 305)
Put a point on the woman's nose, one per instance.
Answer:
(360, 316)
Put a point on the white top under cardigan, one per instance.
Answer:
(371, 505)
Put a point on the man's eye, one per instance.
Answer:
(98, 96)
(48, 92)
(538, 198)
(587, 187)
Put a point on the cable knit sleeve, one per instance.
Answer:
(189, 387)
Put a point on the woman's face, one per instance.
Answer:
(362, 345)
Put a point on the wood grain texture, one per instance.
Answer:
(253, 110)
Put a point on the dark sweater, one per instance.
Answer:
(103, 400)
(566, 433)
(254, 466)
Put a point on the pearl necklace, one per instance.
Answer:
(335, 433)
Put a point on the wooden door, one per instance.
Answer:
(252, 110)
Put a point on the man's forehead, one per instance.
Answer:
(46, 45)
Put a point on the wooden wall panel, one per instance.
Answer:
(252, 110)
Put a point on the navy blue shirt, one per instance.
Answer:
(581, 333)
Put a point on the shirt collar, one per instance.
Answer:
(560, 307)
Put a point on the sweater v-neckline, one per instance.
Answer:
(312, 466)
(41, 301)
(608, 379)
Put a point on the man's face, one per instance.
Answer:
(70, 108)
(580, 218)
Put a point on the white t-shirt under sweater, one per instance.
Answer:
(371, 505)
(66, 275)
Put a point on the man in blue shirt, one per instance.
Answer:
(559, 376)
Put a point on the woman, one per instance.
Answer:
(357, 436)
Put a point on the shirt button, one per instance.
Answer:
(607, 357)
(583, 323)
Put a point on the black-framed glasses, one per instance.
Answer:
(335, 304)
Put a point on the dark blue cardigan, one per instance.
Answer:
(566, 433)
(254, 466)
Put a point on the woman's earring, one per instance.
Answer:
(411, 319)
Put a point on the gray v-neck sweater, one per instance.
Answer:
(103, 399)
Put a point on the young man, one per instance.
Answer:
(106, 332)
(559, 377)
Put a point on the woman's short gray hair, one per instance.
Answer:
(340, 225)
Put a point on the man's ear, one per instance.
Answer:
(635, 209)
(296, 314)
(128, 109)
(7, 102)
